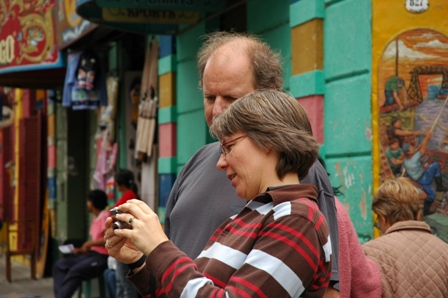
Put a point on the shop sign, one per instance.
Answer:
(150, 16)
(70, 26)
(27, 35)
(192, 5)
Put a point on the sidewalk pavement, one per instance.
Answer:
(22, 286)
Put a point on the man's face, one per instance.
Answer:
(226, 78)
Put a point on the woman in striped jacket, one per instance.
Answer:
(277, 246)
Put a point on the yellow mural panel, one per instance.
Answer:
(409, 98)
(422, 38)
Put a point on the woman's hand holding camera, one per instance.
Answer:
(127, 245)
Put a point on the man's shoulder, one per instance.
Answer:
(208, 149)
(204, 153)
(318, 177)
(204, 159)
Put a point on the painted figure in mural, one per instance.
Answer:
(413, 262)
(278, 245)
(395, 156)
(424, 177)
(395, 92)
(395, 131)
(230, 65)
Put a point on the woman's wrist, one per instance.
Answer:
(137, 263)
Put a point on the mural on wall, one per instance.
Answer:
(413, 112)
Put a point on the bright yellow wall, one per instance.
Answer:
(18, 111)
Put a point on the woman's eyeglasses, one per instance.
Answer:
(227, 146)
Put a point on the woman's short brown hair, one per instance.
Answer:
(266, 63)
(397, 200)
(273, 120)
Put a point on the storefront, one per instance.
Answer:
(343, 60)
(30, 63)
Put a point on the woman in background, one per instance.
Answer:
(413, 262)
(125, 183)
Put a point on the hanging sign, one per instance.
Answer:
(150, 16)
(27, 35)
(192, 5)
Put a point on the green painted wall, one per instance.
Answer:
(192, 129)
(347, 116)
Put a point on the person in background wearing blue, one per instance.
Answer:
(88, 261)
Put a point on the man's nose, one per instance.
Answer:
(222, 163)
(218, 106)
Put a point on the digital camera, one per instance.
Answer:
(118, 224)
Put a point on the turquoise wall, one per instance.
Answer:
(347, 116)
(192, 129)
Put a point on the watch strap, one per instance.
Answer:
(138, 263)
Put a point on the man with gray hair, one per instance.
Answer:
(231, 65)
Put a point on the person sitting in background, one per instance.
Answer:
(278, 245)
(413, 262)
(88, 261)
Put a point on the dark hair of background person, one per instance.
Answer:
(126, 178)
(98, 198)
(336, 190)
(266, 64)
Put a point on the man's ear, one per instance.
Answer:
(272, 87)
